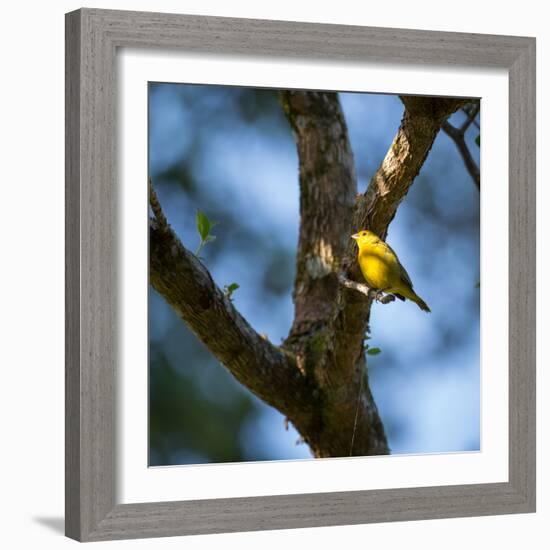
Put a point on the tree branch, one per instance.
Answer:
(185, 283)
(471, 110)
(457, 135)
(366, 290)
(422, 120)
(156, 208)
(327, 193)
(376, 208)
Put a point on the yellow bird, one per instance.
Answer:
(382, 270)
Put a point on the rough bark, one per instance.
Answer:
(328, 187)
(319, 377)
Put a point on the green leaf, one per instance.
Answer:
(229, 289)
(203, 225)
(374, 351)
(478, 140)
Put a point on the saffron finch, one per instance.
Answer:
(382, 269)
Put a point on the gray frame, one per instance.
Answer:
(92, 38)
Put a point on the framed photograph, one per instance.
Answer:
(300, 275)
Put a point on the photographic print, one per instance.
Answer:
(314, 270)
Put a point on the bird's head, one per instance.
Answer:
(365, 237)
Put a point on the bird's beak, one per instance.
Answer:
(356, 236)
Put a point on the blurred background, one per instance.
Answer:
(229, 152)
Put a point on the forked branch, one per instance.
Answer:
(186, 284)
(319, 378)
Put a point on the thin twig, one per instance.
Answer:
(471, 111)
(457, 135)
(366, 290)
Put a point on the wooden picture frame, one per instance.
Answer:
(92, 39)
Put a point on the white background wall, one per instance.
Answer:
(32, 324)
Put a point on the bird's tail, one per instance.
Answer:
(420, 303)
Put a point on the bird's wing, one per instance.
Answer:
(404, 275)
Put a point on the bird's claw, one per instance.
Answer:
(382, 298)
